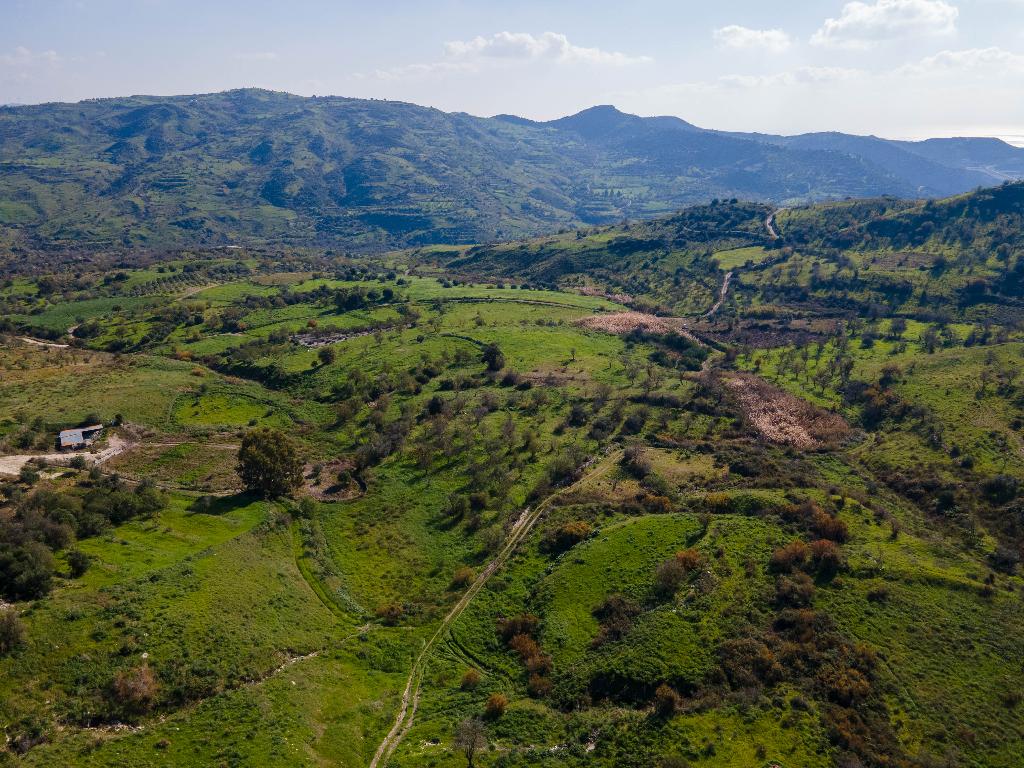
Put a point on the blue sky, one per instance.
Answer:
(896, 68)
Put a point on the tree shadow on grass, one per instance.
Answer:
(222, 505)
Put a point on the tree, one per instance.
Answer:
(26, 572)
(326, 355)
(470, 738)
(268, 462)
(494, 358)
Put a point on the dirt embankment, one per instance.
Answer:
(780, 417)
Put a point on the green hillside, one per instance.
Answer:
(731, 487)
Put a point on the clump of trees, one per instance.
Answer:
(46, 520)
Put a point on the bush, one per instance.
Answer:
(524, 624)
(567, 535)
(496, 705)
(829, 527)
(826, 557)
(12, 631)
(390, 613)
(791, 557)
(539, 686)
(636, 463)
(78, 562)
(26, 571)
(1000, 488)
(673, 572)
(666, 701)
(470, 680)
(615, 615)
(796, 590)
(463, 577)
(136, 688)
(494, 358)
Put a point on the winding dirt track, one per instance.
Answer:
(411, 695)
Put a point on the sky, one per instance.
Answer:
(892, 68)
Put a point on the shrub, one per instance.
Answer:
(492, 355)
(826, 557)
(615, 615)
(496, 705)
(135, 688)
(524, 624)
(12, 631)
(1000, 488)
(791, 557)
(462, 577)
(666, 701)
(567, 535)
(390, 613)
(796, 590)
(539, 686)
(636, 462)
(470, 680)
(747, 662)
(878, 594)
(26, 571)
(673, 572)
(78, 562)
(525, 646)
(829, 527)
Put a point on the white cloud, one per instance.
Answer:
(24, 57)
(861, 25)
(967, 61)
(735, 36)
(525, 46)
(796, 77)
(503, 48)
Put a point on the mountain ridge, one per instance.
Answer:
(252, 166)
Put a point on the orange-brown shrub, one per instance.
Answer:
(791, 557)
(496, 705)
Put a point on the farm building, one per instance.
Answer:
(73, 439)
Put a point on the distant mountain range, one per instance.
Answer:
(253, 166)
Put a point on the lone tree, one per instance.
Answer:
(268, 463)
(470, 738)
(493, 357)
(326, 355)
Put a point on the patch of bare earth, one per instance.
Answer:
(618, 298)
(622, 323)
(323, 483)
(780, 417)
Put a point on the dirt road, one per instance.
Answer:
(41, 343)
(721, 295)
(11, 465)
(769, 224)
